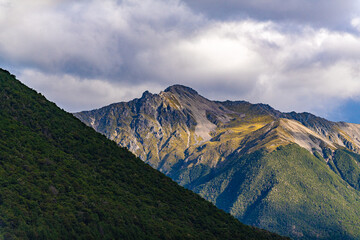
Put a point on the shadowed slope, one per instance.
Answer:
(62, 180)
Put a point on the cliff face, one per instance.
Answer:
(159, 128)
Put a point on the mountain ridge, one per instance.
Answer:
(219, 150)
(205, 124)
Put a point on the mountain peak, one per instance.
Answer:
(146, 94)
(180, 89)
(248, 155)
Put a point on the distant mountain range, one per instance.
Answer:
(293, 173)
(62, 180)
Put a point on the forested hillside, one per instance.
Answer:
(61, 180)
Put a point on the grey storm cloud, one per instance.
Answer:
(334, 14)
(85, 54)
(88, 38)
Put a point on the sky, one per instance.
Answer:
(295, 55)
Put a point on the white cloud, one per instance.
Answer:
(355, 22)
(86, 54)
(76, 94)
(310, 70)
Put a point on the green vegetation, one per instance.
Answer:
(288, 191)
(347, 166)
(61, 180)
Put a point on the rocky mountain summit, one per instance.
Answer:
(293, 173)
(160, 128)
(179, 124)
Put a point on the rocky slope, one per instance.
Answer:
(270, 169)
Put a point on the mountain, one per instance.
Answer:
(293, 173)
(62, 180)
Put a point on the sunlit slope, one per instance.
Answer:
(62, 180)
(175, 125)
(180, 125)
(289, 191)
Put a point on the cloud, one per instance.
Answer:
(312, 70)
(77, 94)
(86, 54)
(355, 23)
(323, 13)
(87, 38)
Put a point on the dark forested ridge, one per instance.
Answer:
(61, 180)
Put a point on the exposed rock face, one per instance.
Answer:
(180, 125)
(160, 128)
(221, 150)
